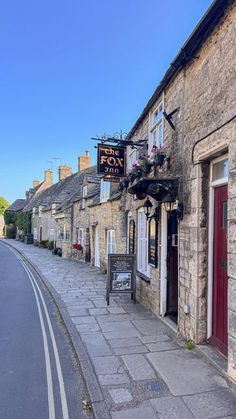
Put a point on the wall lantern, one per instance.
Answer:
(147, 207)
(169, 202)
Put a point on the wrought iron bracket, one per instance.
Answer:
(169, 117)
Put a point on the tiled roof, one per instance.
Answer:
(17, 205)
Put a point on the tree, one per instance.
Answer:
(3, 205)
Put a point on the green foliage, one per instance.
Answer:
(3, 205)
(23, 221)
(43, 244)
(190, 345)
(50, 245)
(9, 217)
(11, 231)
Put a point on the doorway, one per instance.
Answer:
(96, 248)
(217, 332)
(219, 336)
(172, 267)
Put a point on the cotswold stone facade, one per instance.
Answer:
(202, 152)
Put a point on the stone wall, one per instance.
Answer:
(2, 225)
(203, 91)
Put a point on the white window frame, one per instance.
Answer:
(66, 234)
(84, 195)
(61, 234)
(111, 243)
(105, 188)
(40, 211)
(81, 236)
(142, 244)
(155, 126)
(131, 158)
(212, 185)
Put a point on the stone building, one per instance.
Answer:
(186, 249)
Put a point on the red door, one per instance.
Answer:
(220, 278)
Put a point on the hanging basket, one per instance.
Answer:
(159, 159)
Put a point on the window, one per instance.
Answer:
(131, 158)
(105, 191)
(142, 259)
(111, 241)
(84, 194)
(80, 236)
(51, 234)
(40, 211)
(220, 170)
(33, 212)
(35, 234)
(66, 235)
(61, 234)
(156, 127)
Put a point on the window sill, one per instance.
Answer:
(143, 277)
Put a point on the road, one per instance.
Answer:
(38, 373)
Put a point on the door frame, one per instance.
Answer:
(163, 264)
(212, 185)
(96, 247)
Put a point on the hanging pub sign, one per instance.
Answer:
(121, 275)
(152, 243)
(111, 161)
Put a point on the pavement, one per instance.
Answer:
(134, 365)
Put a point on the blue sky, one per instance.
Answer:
(74, 69)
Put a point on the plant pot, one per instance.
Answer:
(146, 168)
(159, 160)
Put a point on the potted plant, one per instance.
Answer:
(146, 163)
(159, 155)
(78, 246)
(136, 170)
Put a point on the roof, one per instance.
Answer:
(17, 205)
(187, 52)
(60, 193)
(77, 191)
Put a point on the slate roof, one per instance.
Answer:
(17, 205)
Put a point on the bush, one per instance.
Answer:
(50, 245)
(11, 231)
(43, 244)
(59, 252)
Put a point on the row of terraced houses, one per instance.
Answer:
(186, 248)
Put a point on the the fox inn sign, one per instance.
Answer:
(111, 160)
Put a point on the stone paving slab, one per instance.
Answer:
(171, 408)
(212, 405)
(163, 381)
(184, 372)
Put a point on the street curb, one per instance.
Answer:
(98, 403)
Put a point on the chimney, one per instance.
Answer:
(64, 171)
(84, 161)
(35, 183)
(48, 180)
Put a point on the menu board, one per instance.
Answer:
(152, 244)
(120, 277)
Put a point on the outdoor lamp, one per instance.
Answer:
(168, 202)
(147, 207)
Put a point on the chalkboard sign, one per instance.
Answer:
(152, 245)
(120, 276)
(132, 236)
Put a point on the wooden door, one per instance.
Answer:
(220, 279)
(40, 234)
(172, 267)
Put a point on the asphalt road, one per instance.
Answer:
(39, 378)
